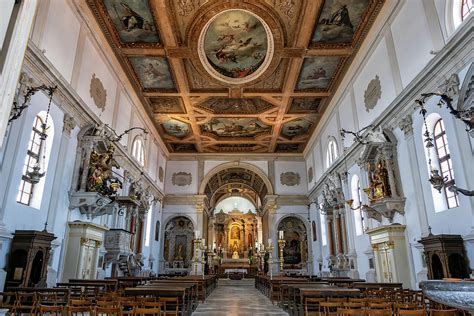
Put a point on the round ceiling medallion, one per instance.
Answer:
(236, 46)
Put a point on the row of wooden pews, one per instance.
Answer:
(180, 294)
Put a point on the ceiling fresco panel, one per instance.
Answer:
(133, 20)
(317, 72)
(168, 105)
(153, 73)
(289, 147)
(235, 127)
(183, 147)
(296, 128)
(235, 105)
(175, 128)
(339, 20)
(305, 105)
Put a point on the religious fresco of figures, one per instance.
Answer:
(133, 21)
(175, 128)
(236, 46)
(235, 127)
(235, 105)
(295, 128)
(288, 148)
(317, 72)
(338, 21)
(304, 105)
(295, 252)
(153, 73)
(183, 147)
(169, 105)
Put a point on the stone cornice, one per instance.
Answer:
(452, 58)
(292, 200)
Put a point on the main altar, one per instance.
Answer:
(234, 236)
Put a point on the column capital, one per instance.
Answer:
(406, 125)
(69, 123)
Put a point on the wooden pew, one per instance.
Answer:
(183, 292)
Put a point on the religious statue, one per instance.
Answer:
(235, 248)
(380, 185)
(235, 233)
(179, 252)
(100, 173)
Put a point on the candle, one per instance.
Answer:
(270, 241)
(203, 242)
(280, 234)
(197, 234)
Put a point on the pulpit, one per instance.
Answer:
(28, 258)
(391, 254)
(445, 256)
(82, 254)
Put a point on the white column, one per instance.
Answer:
(406, 125)
(13, 61)
(57, 189)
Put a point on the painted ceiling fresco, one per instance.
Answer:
(235, 105)
(235, 127)
(132, 20)
(234, 76)
(235, 44)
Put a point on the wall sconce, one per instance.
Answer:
(358, 138)
(17, 110)
(466, 116)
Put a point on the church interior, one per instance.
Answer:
(236, 157)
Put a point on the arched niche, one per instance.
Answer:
(295, 252)
(178, 243)
(235, 174)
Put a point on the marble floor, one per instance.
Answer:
(237, 297)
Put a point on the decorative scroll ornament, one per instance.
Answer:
(161, 174)
(181, 179)
(98, 92)
(372, 94)
(290, 178)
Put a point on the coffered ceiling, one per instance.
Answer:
(221, 76)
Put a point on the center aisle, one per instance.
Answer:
(237, 297)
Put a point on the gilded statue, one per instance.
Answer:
(179, 252)
(100, 172)
(380, 186)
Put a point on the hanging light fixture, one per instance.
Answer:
(36, 173)
(437, 180)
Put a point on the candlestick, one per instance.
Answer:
(280, 234)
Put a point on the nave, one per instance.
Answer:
(237, 297)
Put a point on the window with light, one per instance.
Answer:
(138, 150)
(331, 152)
(445, 163)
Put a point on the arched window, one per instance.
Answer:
(324, 237)
(460, 10)
(444, 162)
(331, 152)
(37, 153)
(138, 150)
(148, 227)
(357, 197)
(313, 226)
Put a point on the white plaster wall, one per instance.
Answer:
(378, 65)
(346, 116)
(211, 164)
(411, 36)
(181, 166)
(92, 63)
(122, 121)
(162, 164)
(290, 166)
(261, 164)
(59, 41)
